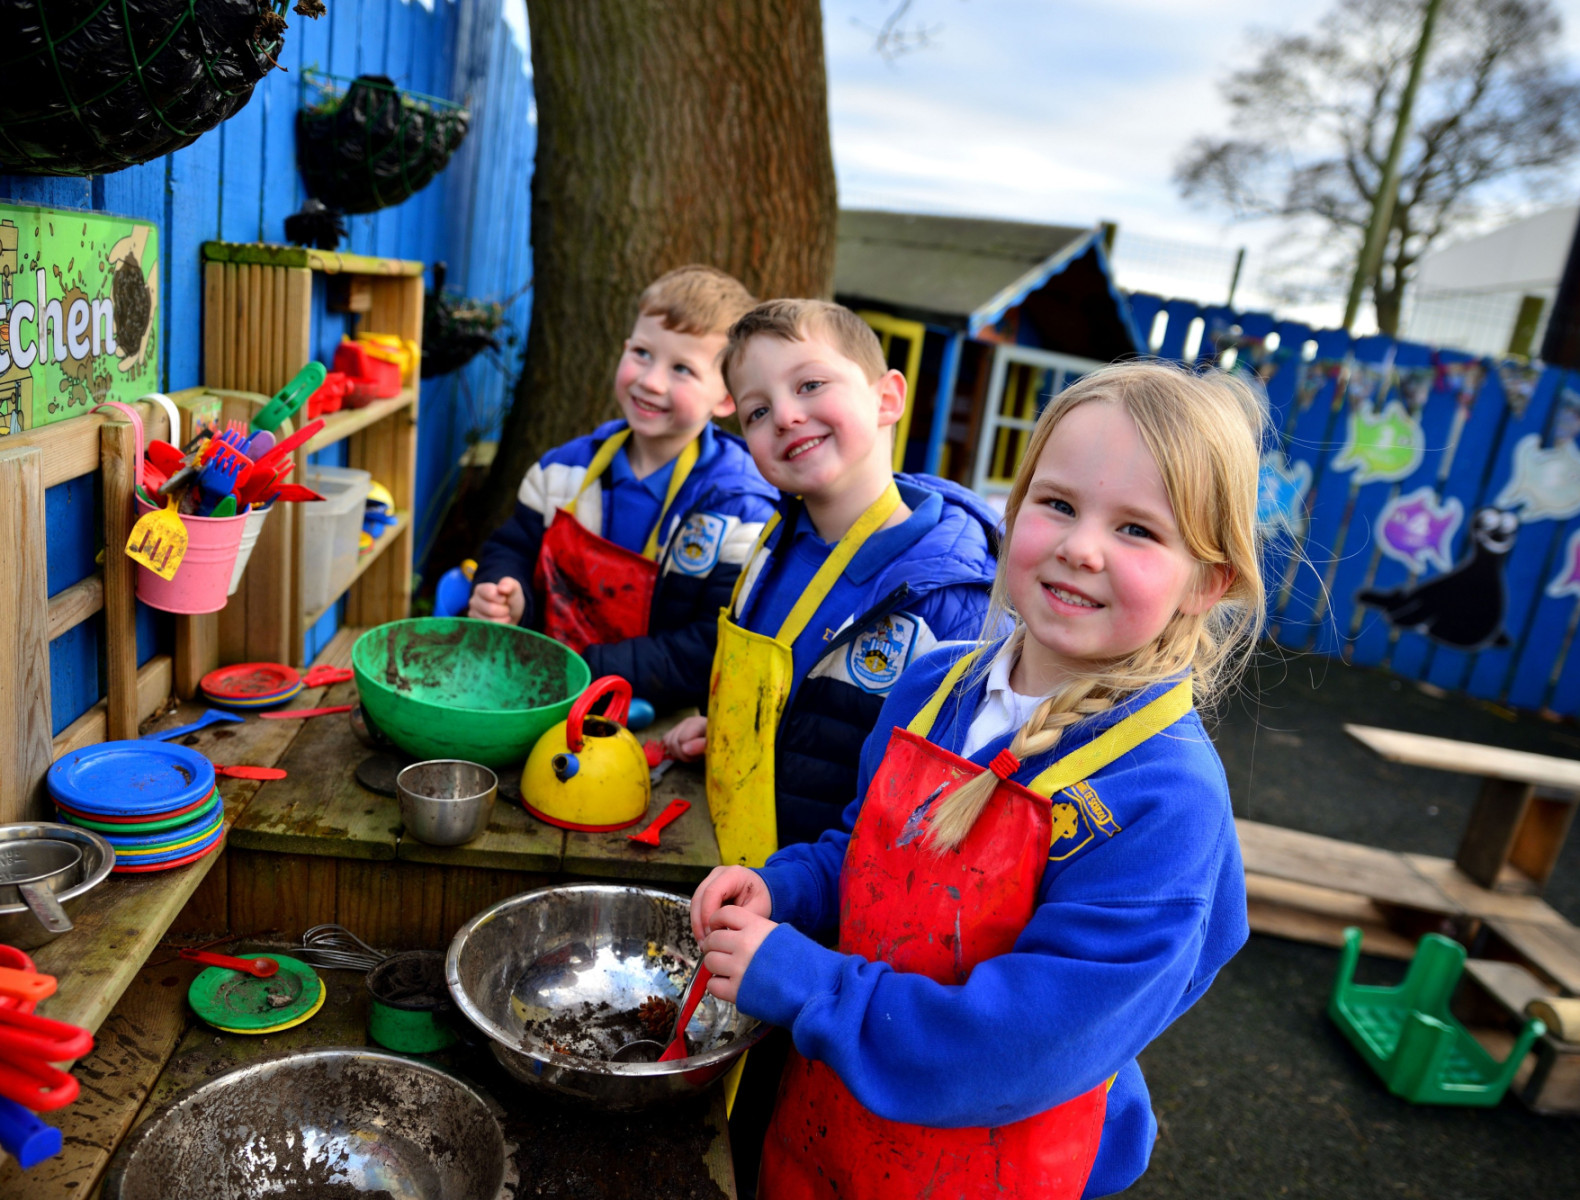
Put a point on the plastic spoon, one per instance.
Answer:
(26, 985)
(212, 717)
(699, 985)
(246, 772)
(649, 836)
(262, 968)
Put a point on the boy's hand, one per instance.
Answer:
(730, 947)
(502, 602)
(739, 886)
(688, 740)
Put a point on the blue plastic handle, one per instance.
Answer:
(212, 717)
(640, 716)
(24, 1137)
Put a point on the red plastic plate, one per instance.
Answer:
(250, 681)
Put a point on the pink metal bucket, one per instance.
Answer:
(202, 581)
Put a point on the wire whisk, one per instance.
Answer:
(336, 946)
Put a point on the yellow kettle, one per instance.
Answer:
(589, 773)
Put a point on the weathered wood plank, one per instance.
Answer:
(1477, 901)
(1550, 951)
(1304, 913)
(71, 606)
(25, 742)
(327, 261)
(1469, 758)
(1343, 866)
(281, 895)
(130, 1050)
(392, 905)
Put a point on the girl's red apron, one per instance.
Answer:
(940, 915)
(594, 591)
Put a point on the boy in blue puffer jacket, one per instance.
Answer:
(625, 543)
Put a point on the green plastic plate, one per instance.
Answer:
(242, 1003)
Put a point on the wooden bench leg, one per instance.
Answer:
(1541, 835)
(1493, 828)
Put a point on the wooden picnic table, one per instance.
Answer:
(1522, 816)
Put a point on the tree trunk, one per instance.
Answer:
(669, 131)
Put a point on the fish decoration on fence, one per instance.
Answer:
(1545, 484)
(1567, 581)
(1386, 445)
(1418, 530)
(1465, 378)
(1519, 385)
(1281, 495)
(1464, 609)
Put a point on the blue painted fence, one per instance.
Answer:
(1371, 426)
(239, 182)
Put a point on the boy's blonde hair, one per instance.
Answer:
(696, 299)
(795, 321)
(1205, 432)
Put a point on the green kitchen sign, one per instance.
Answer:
(79, 313)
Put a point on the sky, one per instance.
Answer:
(1058, 111)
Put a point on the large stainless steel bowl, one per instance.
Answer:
(18, 926)
(554, 976)
(321, 1122)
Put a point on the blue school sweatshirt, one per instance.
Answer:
(1136, 915)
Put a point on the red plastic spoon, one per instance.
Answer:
(649, 836)
(260, 967)
(699, 985)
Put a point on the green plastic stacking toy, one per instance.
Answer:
(449, 687)
(1408, 1036)
(236, 1002)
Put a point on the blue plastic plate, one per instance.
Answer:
(146, 860)
(131, 778)
(165, 839)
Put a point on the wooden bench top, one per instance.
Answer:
(1469, 758)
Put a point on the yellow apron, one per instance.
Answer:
(747, 693)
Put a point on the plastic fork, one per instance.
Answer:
(224, 463)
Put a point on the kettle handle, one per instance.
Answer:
(619, 707)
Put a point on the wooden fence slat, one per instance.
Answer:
(119, 456)
(24, 649)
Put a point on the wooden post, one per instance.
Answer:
(118, 453)
(25, 749)
(1490, 832)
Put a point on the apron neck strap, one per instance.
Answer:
(740, 580)
(922, 723)
(1116, 742)
(686, 460)
(834, 565)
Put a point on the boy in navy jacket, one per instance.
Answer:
(625, 543)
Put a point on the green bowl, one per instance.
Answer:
(449, 687)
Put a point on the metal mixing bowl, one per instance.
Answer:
(446, 801)
(321, 1122)
(18, 926)
(554, 976)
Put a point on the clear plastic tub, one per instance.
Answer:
(329, 532)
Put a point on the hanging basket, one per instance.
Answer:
(93, 86)
(373, 145)
(455, 330)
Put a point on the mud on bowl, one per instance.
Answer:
(555, 978)
(450, 687)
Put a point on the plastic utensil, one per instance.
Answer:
(159, 541)
(243, 1003)
(258, 444)
(246, 772)
(295, 492)
(24, 1137)
(258, 968)
(225, 508)
(294, 713)
(304, 434)
(33, 1036)
(166, 457)
(323, 676)
(677, 1045)
(212, 716)
(34, 1084)
(291, 397)
(222, 466)
(28, 986)
(649, 836)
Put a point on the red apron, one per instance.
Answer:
(940, 915)
(595, 592)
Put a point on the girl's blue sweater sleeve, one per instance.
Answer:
(1124, 938)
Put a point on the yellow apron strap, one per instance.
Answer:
(839, 558)
(922, 723)
(1116, 742)
(740, 580)
(599, 465)
(677, 479)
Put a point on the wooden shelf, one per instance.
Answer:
(381, 544)
(341, 425)
(327, 261)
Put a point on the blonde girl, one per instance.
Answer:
(1041, 871)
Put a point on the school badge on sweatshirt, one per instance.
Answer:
(879, 653)
(697, 544)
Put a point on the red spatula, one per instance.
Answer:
(677, 1045)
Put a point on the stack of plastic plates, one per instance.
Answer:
(155, 802)
(247, 686)
(237, 1002)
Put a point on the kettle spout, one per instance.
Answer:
(565, 766)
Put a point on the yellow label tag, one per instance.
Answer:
(159, 541)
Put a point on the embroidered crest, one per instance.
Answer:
(697, 544)
(1069, 830)
(879, 653)
(1096, 811)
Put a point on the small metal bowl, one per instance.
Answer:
(446, 801)
(320, 1122)
(18, 925)
(555, 976)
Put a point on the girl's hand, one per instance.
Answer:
(502, 602)
(687, 741)
(739, 886)
(730, 947)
